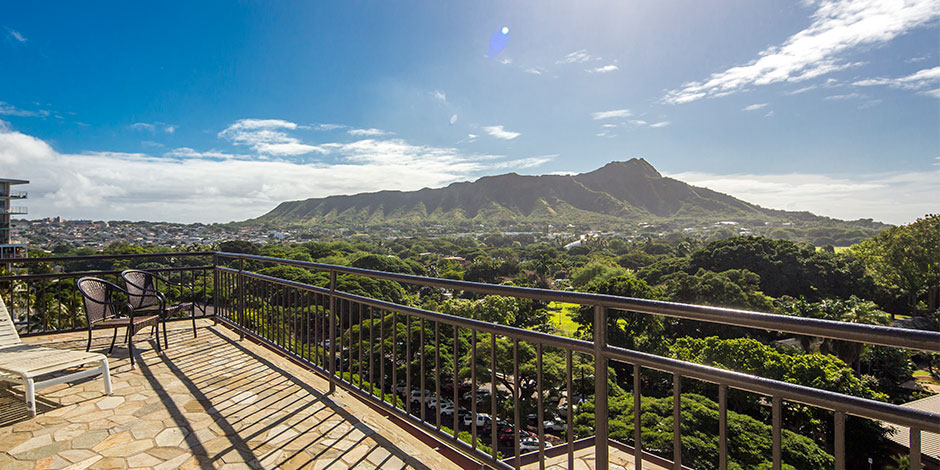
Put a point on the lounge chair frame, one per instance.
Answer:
(23, 364)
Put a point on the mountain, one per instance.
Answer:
(617, 195)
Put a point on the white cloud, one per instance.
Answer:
(576, 57)
(754, 107)
(439, 95)
(659, 124)
(17, 35)
(10, 110)
(837, 27)
(769, 114)
(604, 69)
(328, 127)
(615, 113)
(896, 198)
(534, 70)
(500, 133)
(267, 137)
(193, 186)
(915, 81)
(372, 132)
(154, 127)
(846, 96)
(505, 61)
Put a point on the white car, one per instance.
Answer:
(482, 419)
(448, 408)
(557, 425)
(432, 403)
(528, 445)
(416, 396)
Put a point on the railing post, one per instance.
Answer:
(332, 334)
(241, 299)
(600, 388)
(215, 289)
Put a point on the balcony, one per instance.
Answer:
(280, 381)
(14, 211)
(14, 195)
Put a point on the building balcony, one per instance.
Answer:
(14, 195)
(284, 374)
(14, 211)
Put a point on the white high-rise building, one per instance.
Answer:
(10, 246)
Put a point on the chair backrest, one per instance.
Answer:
(8, 334)
(97, 296)
(138, 283)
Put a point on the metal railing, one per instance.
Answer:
(14, 211)
(394, 356)
(43, 299)
(334, 332)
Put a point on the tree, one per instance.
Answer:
(907, 259)
(624, 328)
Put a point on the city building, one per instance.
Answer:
(9, 245)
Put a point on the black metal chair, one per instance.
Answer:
(146, 298)
(104, 310)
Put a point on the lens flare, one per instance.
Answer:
(498, 42)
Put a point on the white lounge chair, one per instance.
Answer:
(23, 363)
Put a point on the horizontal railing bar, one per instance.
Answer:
(54, 259)
(863, 407)
(33, 277)
(860, 333)
(479, 325)
(85, 328)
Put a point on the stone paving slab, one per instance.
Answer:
(208, 402)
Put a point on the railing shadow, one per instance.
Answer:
(243, 414)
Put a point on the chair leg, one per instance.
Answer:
(88, 346)
(194, 322)
(106, 373)
(130, 345)
(166, 342)
(113, 338)
(31, 397)
(159, 349)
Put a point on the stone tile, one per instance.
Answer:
(165, 453)
(37, 453)
(69, 432)
(32, 443)
(109, 463)
(76, 455)
(171, 437)
(127, 448)
(143, 459)
(113, 440)
(174, 463)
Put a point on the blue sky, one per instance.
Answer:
(203, 111)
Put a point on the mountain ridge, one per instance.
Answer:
(617, 194)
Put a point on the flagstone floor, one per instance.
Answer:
(209, 402)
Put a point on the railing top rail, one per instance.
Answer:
(863, 407)
(860, 333)
(74, 274)
(55, 259)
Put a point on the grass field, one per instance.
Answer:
(561, 317)
(838, 249)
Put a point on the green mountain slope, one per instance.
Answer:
(614, 196)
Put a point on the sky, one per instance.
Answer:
(218, 111)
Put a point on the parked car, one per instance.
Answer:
(557, 424)
(482, 419)
(433, 403)
(416, 396)
(528, 444)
